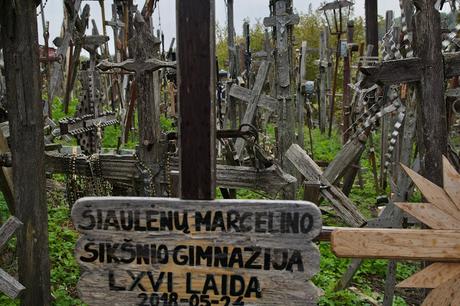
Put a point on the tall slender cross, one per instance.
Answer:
(283, 21)
(144, 45)
(428, 69)
(254, 98)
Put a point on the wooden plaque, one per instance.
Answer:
(154, 251)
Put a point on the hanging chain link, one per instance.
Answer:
(143, 168)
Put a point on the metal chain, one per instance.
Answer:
(144, 167)
(167, 173)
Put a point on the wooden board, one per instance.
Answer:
(430, 215)
(433, 245)
(136, 250)
(432, 276)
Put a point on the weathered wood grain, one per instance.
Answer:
(433, 276)
(433, 141)
(404, 244)
(282, 20)
(196, 97)
(18, 22)
(252, 105)
(6, 176)
(345, 209)
(121, 262)
(10, 286)
(393, 72)
(93, 287)
(243, 94)
(451, 182)
(122, 169)
(430, 215)
(345, 159)
(92, 204)
(8, 229)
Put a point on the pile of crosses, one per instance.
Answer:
(416, 63)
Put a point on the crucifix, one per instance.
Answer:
(254, 99)
(144, 45)
(283, 21)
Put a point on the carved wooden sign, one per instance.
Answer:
(155, 251)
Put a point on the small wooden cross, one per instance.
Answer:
(144, 45)
(281, 20)
(254, 98)
(8, 284)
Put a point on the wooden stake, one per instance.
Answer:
(25, 111)
(196, 75)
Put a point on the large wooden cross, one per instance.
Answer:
(149, 112)
(283, 22)
(254, 98)
(440, 244)
(428, 69)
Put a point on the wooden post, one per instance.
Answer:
(433, 117)
(283, 20)
(25, 111)
(372, 27)
(232, 63)
(346, 89)
(196, 57)
(324, 72)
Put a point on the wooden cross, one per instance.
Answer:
(325, 72)
(283, 22)
(115, 24)
(324, 181)
(8, 284)
(144, 45)
(440, 244)
(428, 69)
(253, 98)
(56, 68)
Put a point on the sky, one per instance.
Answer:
(164, 15)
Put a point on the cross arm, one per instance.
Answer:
(95, 40)
(393, 72)
(283, 20)
(244, 94)
(137, 66)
